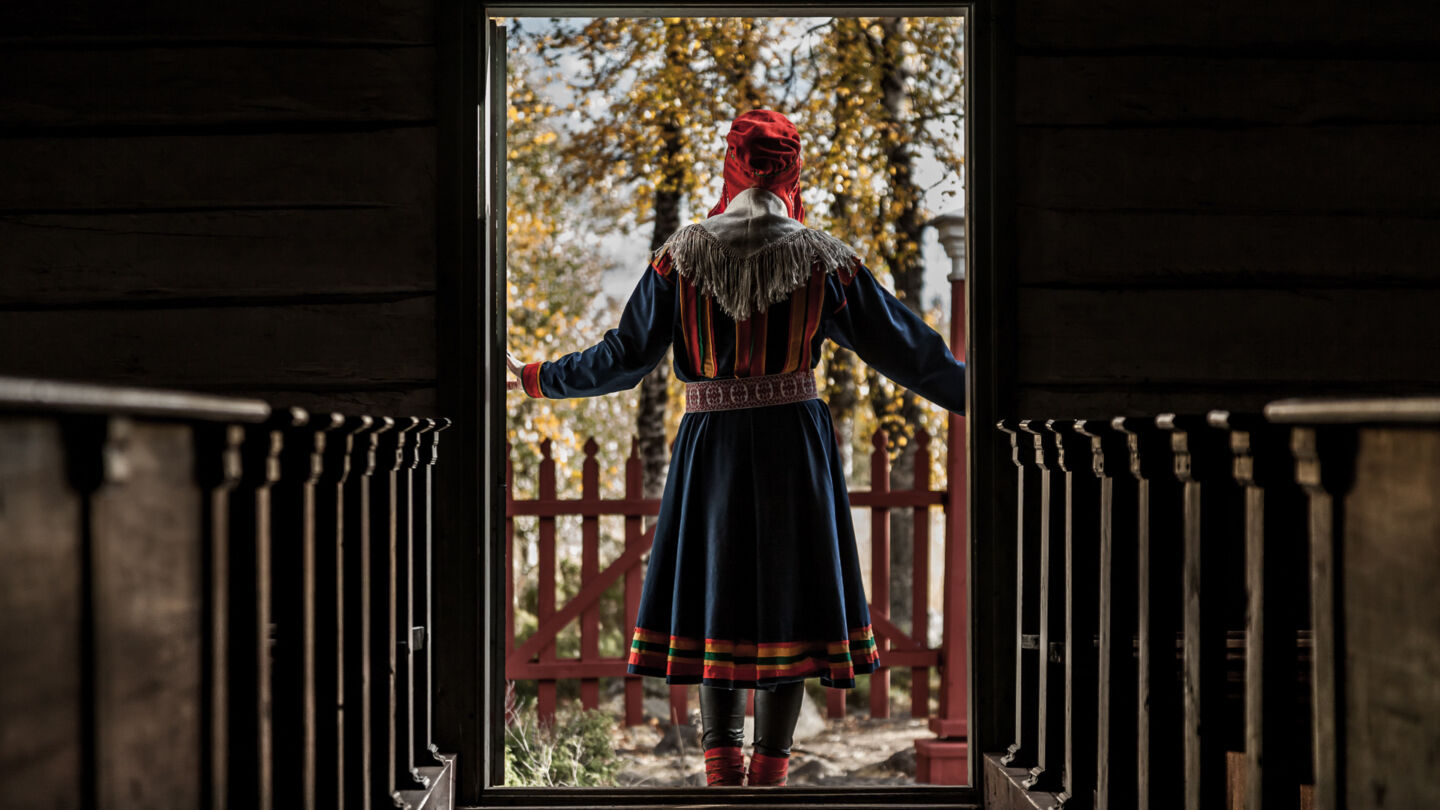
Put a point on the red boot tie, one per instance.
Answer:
(768, 770)
(724, 766)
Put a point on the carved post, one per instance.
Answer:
(385, 629)
(589, 569)
(358, 615)
(293, 591)
(545, 588)
(920, 578)
(1022, 752)
(142, 597)
(330, 628)
(1115, 735)
(251, 777)
(1082, 582)
(426, 752)
(1214, 600)
(44, 568)
(634, 578)
(1274, 551)
(1159, 537)
(410, 636)
(217, 470)
(880, 570)
(1372, 470)
(1324, 467)
(1046, 774)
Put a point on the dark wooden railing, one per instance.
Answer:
(534, 657)
(1162, 629)
(212, 602)
(1266, 627)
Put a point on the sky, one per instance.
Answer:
(628, 252)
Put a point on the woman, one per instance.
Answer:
(753, 579)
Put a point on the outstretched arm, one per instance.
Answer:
(867, 319)
(623, 357)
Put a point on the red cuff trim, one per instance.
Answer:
(530, 379)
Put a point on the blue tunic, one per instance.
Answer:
(754, 578)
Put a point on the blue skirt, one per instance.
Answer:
(754, 579)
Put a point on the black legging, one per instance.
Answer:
(722, 713)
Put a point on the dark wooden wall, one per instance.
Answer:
(1222, 203)
(267, 198)
(238, 197)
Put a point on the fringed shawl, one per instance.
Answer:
(747, 285)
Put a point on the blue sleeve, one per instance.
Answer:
(623, 357)
(867, 319)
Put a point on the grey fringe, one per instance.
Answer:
(745, 286)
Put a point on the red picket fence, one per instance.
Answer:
(535, 658)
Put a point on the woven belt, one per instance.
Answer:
(750, 392)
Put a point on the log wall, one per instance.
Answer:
(1223, 200)
(238, 198)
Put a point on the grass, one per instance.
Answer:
(573, 751)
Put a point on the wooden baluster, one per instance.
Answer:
(146, 602)
(410, 637)
(634, 579)
(43, 579)
(292, 578)
(426, 751)
(251, 777)
(589, 569)
(920, 612)
(545, 605)
(1274, 551)
(1022, 752)
(360, 611)
(880, 570)
(680, 705)
(1115, 735)
(217, 471)
(385, 630)
(1325, 468)
(1082, 584)
(1046, 773)
(356, 613)
(1213, 595)
(329, 648)
(835, 703)
(1159, 541)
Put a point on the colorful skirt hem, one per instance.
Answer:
(747, 665)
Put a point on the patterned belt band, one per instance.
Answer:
(750, 392)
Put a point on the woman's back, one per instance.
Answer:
(751, 290)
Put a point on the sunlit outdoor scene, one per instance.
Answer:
(615, 138)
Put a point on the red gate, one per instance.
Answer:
(535, 657)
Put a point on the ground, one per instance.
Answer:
(850, 751)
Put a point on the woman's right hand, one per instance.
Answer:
(515, 367)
